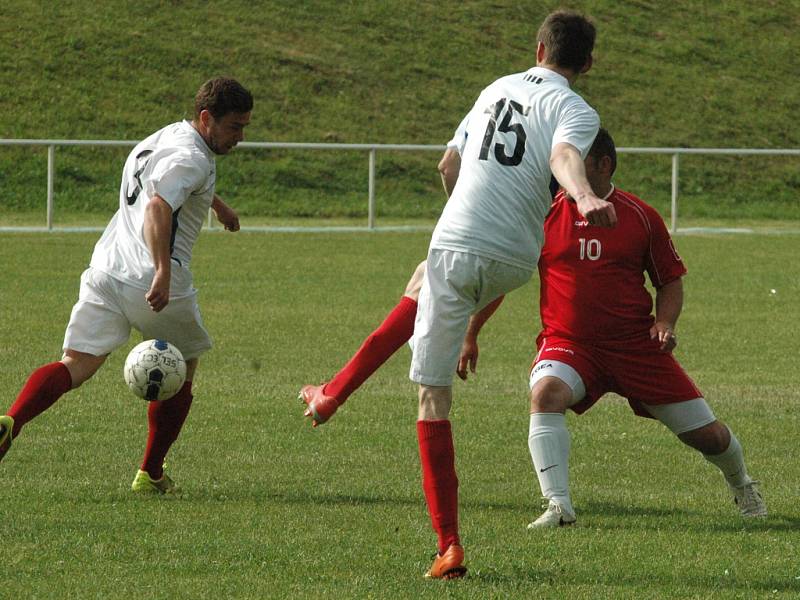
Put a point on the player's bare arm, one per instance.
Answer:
(669, 302)
(225, 214)
(157, 232)
(469, 349)
(568, 168)
(449, 168)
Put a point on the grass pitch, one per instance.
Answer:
(275, 510)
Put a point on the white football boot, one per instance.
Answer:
(556, 515)
(749, 500)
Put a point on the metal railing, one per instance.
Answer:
(676, 152)
(372, 150)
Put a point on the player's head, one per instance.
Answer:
(604, 151)
(566, 40)
(221, 111)
(601, 162)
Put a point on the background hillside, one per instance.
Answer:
(680, 73)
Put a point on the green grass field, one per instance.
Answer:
(273, 509)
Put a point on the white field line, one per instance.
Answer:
(389, 229)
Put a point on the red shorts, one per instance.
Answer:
(638, 371)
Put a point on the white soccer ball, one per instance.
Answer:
(155, 370)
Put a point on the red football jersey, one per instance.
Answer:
(592, 278)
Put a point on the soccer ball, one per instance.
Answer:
(155, 370)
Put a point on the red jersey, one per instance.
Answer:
(592, 278)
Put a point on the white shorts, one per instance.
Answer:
(457, 284)
(107, 308)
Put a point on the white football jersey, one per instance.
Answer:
(176, 164)
(502, 195)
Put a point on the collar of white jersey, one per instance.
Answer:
(201, 142)
(549, 75)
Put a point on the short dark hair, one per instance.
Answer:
(222, 95)
(603, 145)
(568, 39)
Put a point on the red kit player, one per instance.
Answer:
(599, 336)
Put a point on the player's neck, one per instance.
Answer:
(567, 74)
(604, 190)
(199, 128)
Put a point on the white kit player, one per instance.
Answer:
(139, 272)
(488, 239)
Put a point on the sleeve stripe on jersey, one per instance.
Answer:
(626, 199)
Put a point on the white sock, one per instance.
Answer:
(548, 441)
(731, 463)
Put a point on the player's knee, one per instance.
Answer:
(415, 283)
(434, 402)
(710, 439)
(81, 366)
(550, 395)
(191, 367)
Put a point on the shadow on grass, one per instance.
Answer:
(595, 515)
(296, 497)
(725, 520)
(620, 583)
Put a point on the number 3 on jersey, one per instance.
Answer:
(141, 162)
(505, 127)
(590, 248)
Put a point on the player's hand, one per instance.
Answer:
(597, 211)
(227, 217)
(663, 333)
(158, 294)
(468, 358)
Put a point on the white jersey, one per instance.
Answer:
(176, 164)
(502, 194)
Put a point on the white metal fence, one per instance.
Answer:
(372, 150)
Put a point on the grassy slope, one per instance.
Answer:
(667, 74)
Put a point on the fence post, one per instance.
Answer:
(371, 206)
(51, 161)
(674, 204)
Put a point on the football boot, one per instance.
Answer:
(748, 498)
(449, 565)
(144, 484)
(318, 406)
(556, 515)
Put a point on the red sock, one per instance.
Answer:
(439, 481)
(45, 385)
(395, 331)
(165, 420)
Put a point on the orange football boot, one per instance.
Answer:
(449, 565)
(320, 407)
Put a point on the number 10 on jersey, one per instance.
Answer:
(590, 248)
